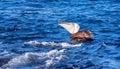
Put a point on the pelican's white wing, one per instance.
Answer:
(70, 27)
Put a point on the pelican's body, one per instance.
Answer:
(82, 35)
(77, 35)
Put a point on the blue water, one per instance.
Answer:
(30, 37)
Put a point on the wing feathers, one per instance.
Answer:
(70, 27)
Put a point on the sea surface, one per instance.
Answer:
(30, 37)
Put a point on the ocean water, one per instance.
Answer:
(30, 37)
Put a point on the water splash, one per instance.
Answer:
(65, 55)
(62, 44)
(41, 60)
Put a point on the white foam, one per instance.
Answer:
(64, 57)
(7, 54)
(63, 44)
(70, 45)
(32, 43)
(45, 60)
(50, 43)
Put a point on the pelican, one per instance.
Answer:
(73, 29)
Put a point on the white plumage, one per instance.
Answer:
(70, 27)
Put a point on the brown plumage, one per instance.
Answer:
(82, 35)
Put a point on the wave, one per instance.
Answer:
(37, 60)
(64, 55)
(62, 44)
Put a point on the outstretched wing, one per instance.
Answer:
(70, 27)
